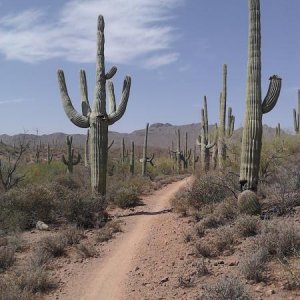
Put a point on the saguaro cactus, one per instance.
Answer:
(131, 162)
(252, 132)
(71, 160)
(124, 154)
(214, 157)
(230, 122)
(296, 115)
(278, 130)
(186, 153)
(96, 118)
(222, 120)
(86, 149)
(49, 155)
(203, 140)
(195, 159)
(145, 158)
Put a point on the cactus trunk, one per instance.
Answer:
(252, 132)
(131, 163)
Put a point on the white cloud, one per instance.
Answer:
(13, 101)
(137, 31)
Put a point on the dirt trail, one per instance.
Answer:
(107, 277)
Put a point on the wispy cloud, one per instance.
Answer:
(13, 101)
(137, 31)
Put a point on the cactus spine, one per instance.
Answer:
(71, 160)
(96, 118)
(252, 132)
(296, 115)
(203, 140)
(145, 158)
(131, 162)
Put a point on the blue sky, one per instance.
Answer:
(173, 49)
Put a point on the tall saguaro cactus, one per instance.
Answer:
(297, 115)
(96, 118)
(252, 132)
(214, 157)
(49, 155)
(71, 160)
(222, 120)
(203, 140)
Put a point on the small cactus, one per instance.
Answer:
(38, 150)
(71, 160)
(124, 154)
(296, 115)
(185, 157)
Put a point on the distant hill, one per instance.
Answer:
(160, 136)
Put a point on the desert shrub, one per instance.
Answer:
(200, 230)
(211, 221)
(201, 268)
(280, 238)
(67, 181)
(40, 257)
(84, 210)
(247, 225)
(248, 203)
(226, 288)
(224, 238)
(55, 246)
(205, 249)
(72, 235)
(126, 197)
(253, 264)
(164, 166)
(227, 209)
(22, 208)
(206, 190)
(34, 280)
(86, 250)
(103, 235)
(7, 257)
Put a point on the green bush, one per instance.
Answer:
(126, 197)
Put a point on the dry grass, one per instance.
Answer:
(7, 257)
(86, 250)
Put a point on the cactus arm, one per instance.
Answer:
(110, 145)
(211, 145)
(272, 94)
(85, 106)
(110, 74)
(150, 160)
(75, 117)
(112, 98)
(117, 115)
(198, 141)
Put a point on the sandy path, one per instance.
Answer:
(107, 278)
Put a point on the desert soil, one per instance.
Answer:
(140, 263)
